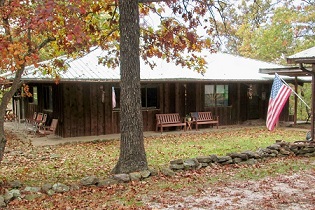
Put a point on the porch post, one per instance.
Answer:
(238, 105)
(313, 98)
(295, 100)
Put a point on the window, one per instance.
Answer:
(216, 95)
(48, 97)
(116, 91)
(34, 98)
(149, 97)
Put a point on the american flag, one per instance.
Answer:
(280, 93)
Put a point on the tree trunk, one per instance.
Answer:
(132, 153)
(3, 139)
(7, 96)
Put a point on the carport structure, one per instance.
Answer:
(305, 61)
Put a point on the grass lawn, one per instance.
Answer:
(69, 163)
(35, 166)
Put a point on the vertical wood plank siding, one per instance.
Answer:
(191, 98)
(93, 110)
(80, 115)
(100, 111)
(83, 109)
(87, 107)
(108, 109)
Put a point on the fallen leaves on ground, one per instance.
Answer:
(216, 187)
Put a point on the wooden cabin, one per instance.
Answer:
(232, 88)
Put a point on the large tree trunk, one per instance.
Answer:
(3, 105)
(132, 153)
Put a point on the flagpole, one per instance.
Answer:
(293, 91)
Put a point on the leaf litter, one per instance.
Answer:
(187, 190)
(292, 192)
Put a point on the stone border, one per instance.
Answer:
(279, 149)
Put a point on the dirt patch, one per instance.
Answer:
(289, 192)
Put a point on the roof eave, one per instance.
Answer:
(293, 71)
(306, 60)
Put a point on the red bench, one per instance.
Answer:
(201, 118)
(169, 120)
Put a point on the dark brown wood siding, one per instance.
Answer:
(88, 109)
(85, 109)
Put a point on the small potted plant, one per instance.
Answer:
(188, 117)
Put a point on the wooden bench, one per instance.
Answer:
(201, 118)
(169, 120)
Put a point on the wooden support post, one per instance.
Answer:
(238, 103)
(295, 100)
(313, 98)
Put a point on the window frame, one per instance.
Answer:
(144, 88)
(34, 98)
(156, 90)
(48, 98)
(213, 101)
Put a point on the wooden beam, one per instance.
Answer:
(306, 60)
(287, 71)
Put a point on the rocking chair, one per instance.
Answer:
(47, 130)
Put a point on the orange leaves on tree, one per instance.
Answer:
(33, 25)
(26, 90)
(175, 42)
(191, 37)
(13, 56)
(76, 25)
(144, 10)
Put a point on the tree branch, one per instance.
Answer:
(150, 1)
(45, 42)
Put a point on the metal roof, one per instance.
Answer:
(221, 67)
(236, 68)
(306, 56)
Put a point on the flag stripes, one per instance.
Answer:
(278, 98)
